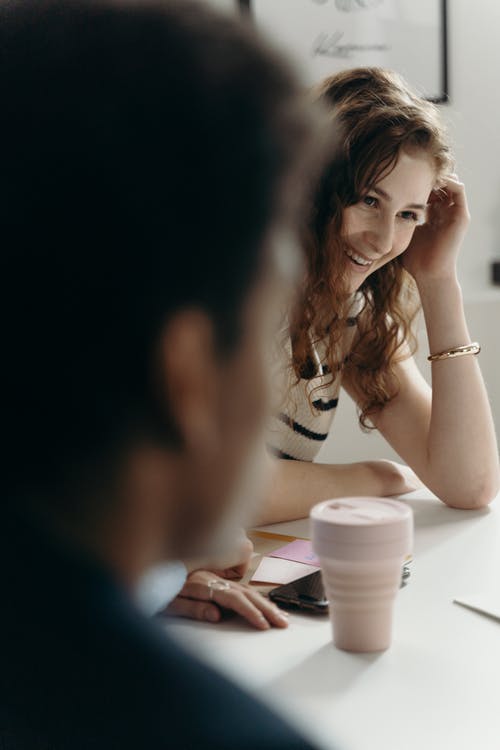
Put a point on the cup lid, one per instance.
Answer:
(361, 520)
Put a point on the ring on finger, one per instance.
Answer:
(217, 585)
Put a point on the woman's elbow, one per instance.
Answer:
(476, 495)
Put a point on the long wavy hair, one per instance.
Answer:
(377, 117)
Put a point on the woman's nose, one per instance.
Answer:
(381, 238)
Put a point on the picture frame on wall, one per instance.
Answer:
(326, 36)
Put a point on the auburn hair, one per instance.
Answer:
(376, 117)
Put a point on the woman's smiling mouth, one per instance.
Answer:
(359, 262)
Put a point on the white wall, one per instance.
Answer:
(474, 120)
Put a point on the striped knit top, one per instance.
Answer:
(304, 419)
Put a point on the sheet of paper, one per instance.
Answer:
(276, 570)
(299, 551)
(487, 603)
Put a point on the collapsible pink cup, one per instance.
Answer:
(361, 543)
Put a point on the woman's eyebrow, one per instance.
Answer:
(387, 197)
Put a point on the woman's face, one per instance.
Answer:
(380, 226)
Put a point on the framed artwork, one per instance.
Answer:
(325, 36)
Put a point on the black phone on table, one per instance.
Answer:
(308, 594)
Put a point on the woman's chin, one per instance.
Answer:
(355, 283)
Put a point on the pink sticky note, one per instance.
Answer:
(299, 551)
(277, 570)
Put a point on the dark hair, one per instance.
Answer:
(145, 148)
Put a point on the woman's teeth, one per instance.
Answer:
(358, 259)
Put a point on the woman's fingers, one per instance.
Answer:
(238, 598)
(273, 614)
(194, 609)
(252, 606)
(456, 190)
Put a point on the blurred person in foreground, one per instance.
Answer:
(151, 154)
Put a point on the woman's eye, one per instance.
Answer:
(370, 200)
(410, 216)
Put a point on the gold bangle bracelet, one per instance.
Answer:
(457, 351)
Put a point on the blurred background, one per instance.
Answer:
(473, 117)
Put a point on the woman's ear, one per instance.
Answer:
(189, 378)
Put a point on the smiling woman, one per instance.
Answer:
(388, 220)
(379, 227)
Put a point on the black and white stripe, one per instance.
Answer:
(303, 423)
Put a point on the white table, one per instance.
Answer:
(436, 688)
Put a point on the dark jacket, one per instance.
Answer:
(80, 667)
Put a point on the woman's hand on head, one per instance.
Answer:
(200, 601)
(433, 251)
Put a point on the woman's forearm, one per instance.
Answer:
(462, 449)
(297, 485)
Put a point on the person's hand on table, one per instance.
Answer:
(211, 590)
(207, 596)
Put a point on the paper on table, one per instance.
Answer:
(299, 551)
(485, 603)
(277, 570)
